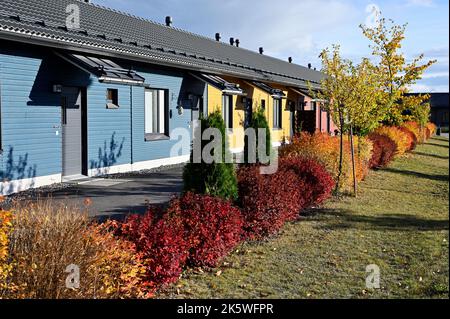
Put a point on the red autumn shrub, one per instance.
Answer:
(412, 139)
(384, 150)
(196, 229)
(427, 133)
(212, 227)
(268, 201)
(319, 183)
(161, 243)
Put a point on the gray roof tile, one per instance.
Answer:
(101, 28)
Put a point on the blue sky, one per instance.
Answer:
(302, 28)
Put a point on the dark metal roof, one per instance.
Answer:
(113, 33)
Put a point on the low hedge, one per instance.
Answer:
(384, 150)
(397, 135)
(269, 201)
(195, 230)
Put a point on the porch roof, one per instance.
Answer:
(267, 88)
(105, 69)
(219, 83)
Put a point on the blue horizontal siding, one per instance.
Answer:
(109, 130)
(155, 78)
(31, 114)
(30, 111)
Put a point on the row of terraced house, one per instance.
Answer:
(105, 95)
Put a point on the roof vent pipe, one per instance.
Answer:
(261, 50)
(218, 36)
(309, 66)
(232, 41)
(290, 59)
(237, 42)
(169, 21)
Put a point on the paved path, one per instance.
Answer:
(119, 196)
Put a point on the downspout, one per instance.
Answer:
(131, 125)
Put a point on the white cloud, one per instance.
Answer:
(374, 14)
(420, 3)
(425, 88)
(433, 75)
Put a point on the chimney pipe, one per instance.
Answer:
(169, 21)
(290, 59)
(261, 50)
(237, 42)
(309, 65)
(218, 36)
(232, 41)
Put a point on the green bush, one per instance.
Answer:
(258, 121)
(215, 179)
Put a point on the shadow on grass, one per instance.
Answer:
(431, 155)
(417, 174)
(437, 145)
(347, 219)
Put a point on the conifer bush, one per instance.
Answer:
(217, 178)
(259, 121)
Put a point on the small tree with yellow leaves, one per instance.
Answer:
(396, 74)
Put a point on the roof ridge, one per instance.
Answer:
(144, 19)
(184, 31)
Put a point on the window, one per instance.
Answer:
(277, 113)
(112, 98)
(263, 104)
(313, 106)
(227, 110)
(156, 114)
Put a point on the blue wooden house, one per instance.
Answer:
(108, 94)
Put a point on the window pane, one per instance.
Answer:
(155, 111)
(155, 116)
(227, 110)
(161, 113)
(148, 111)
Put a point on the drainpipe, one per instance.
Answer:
(131, 125)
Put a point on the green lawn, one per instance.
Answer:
(399, 222)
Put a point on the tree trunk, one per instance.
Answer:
(355, 184)
(341, 150)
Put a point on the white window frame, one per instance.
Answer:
(227, 110)
(156, 114)
(277, 113)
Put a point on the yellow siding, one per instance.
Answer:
(236, 135)
(214, 99)
(236, 138)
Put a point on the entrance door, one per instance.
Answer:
(71, 131)
(248, 112)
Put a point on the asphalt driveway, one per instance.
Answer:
(118, 195)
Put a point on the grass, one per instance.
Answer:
(399, 222)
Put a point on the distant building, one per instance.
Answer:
(439, 108)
